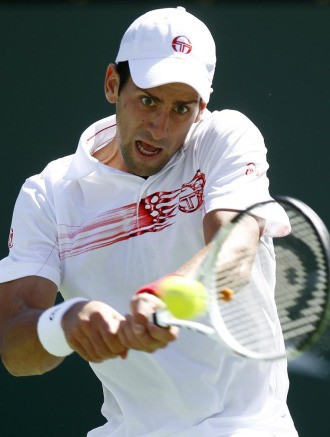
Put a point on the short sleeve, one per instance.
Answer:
(33, 243)
(233, 156)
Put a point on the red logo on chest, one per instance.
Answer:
(153, 214)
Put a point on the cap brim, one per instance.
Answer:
(149, 73)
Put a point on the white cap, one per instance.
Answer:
(169, 45)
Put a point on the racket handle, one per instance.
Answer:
(164, 319)
(161, 319)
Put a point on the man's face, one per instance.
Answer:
(152, 124)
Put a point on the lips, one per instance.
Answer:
(146, 149)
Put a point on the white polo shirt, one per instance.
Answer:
(101, 233)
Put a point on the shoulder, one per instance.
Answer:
(57, 169)
(52, 174)
(226, 122)
(224, 131)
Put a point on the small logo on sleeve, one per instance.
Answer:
(251, 169)
(11, 238)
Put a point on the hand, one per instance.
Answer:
(138, 332)
(92, 330)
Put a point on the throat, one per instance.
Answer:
(108, 155)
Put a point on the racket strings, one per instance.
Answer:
(248, 319)
(301, 291)
(243, 313)
(302, 281)
(231, 273)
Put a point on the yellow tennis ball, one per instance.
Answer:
(184, 297)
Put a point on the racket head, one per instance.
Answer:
(249, 323)
(303, 268)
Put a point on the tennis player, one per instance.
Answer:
(145, 190)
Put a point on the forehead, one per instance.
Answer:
(176, 91)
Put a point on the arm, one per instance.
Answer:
(240, 248)
(214, 220)
(93, 329)
(244, 237)
(242, 240)
(21, 303)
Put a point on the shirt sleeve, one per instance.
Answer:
(233, 155)
(33, 243)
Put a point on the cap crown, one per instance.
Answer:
(153, 35)
(170, 33)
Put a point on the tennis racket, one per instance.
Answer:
(242, 313)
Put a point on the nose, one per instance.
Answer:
(158, 124)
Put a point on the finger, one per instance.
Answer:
(105, 339)
(96, 339)
(138, 339)
(163, 335)
(142, 308)
(145, 304)
(85, 348)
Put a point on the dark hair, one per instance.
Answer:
(124, 73)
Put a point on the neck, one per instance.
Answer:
(110, 155)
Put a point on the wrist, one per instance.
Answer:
(155, 286)
(50, 331)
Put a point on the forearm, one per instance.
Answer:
(21, 351)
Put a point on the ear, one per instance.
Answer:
(202, 107)
(111, 84)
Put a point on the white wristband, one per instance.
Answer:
(50, 332)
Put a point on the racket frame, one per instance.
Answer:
(219, 331)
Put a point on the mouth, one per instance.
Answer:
(146, 149)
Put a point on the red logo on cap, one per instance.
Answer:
(181, 44)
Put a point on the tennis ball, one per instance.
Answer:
(184, 297)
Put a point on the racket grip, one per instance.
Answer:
(160, 318)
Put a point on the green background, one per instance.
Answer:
(273, 65)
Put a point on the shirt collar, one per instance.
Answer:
(204, 116)
(96, 135)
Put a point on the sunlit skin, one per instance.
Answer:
(152, 124)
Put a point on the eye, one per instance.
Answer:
(147, 101)
(181, 109)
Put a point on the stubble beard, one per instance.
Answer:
(139, 169)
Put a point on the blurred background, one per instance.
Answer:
(273, 65)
